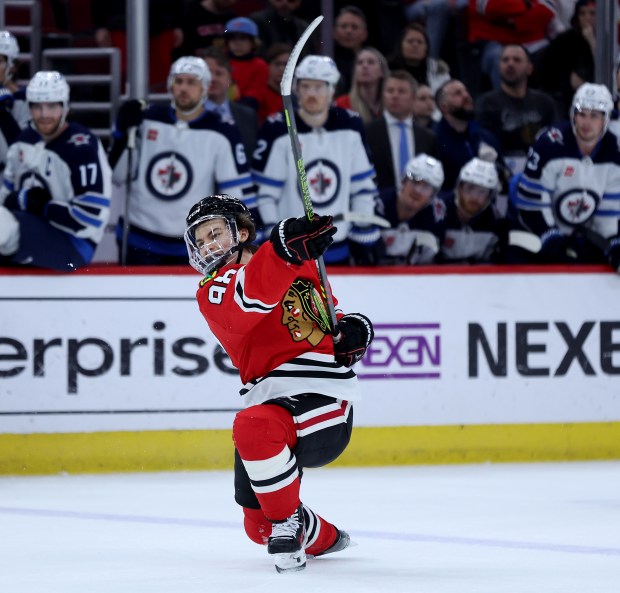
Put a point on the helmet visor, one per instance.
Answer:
(210, 241)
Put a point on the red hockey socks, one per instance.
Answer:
(320, 534)
(256, 525)
(264, 436)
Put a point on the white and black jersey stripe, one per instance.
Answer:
(313, 526)
(309, 373)
(271, 475)
(246, 303)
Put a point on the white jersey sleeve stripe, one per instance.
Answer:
(246, 303)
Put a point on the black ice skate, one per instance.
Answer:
(343, 540)
(286, 541)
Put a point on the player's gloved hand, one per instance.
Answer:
(33, 200)
(613, 253)
(356, 334)
(6, 99)
(296, 240)
(130, 115)
(554, 248)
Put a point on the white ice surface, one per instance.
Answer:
(542, 528)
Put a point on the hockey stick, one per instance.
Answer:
(131, 144)
(363, 218)
(302, 179)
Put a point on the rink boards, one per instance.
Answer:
(112, 369)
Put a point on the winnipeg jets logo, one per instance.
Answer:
(323, 181)
(555, 135)
(576, 206)
(169, 176)
(79, 139)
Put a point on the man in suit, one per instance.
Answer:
(244, 117)
(395, 138)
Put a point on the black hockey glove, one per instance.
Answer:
(555, 247)
(33, 200)
(297, 239)
(356, 334)
(613, 253)
(6, 99)
(130, 115)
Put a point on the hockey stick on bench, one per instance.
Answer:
(302, 179)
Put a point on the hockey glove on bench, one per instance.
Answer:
(33, 200)
(613, 253)
(356, 334)
(296, 240)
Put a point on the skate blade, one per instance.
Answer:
(290, 562)
(350, 544)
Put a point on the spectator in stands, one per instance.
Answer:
(9, 50)
(339, 172)
(57, 185)
(412, 55)
(614, 123)
(567, 196)
(242, 116)
(350, 35)
(395, 138)
(459, 137)
(366, 93)
(415, 213)
(270, 99)
(435, 16)
(495, 23)
(475, 229)
(249, 72)
(204, 23)
(515, 112)
(183, 152)
(278, 24)
(165, 34)
(568, 61)
(425, 112)
(14, 113)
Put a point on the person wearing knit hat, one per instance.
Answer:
(249, 72)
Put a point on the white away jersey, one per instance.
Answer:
(562, 188)
(340, 174)
(74, 169)
(177, 163)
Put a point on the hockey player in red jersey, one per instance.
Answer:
(264, 306)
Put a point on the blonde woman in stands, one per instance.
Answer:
(366, 91)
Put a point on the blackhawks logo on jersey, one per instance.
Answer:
(304, 313)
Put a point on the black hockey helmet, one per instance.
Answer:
(217, 205)
(209, 251)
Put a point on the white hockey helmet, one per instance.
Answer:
(479, 172)
(48, 86)
(592, 97)
(423, 167)
(190, 65)
(8, 46)
(318, 68)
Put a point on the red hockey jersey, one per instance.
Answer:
(271, 320)
(510, 21)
